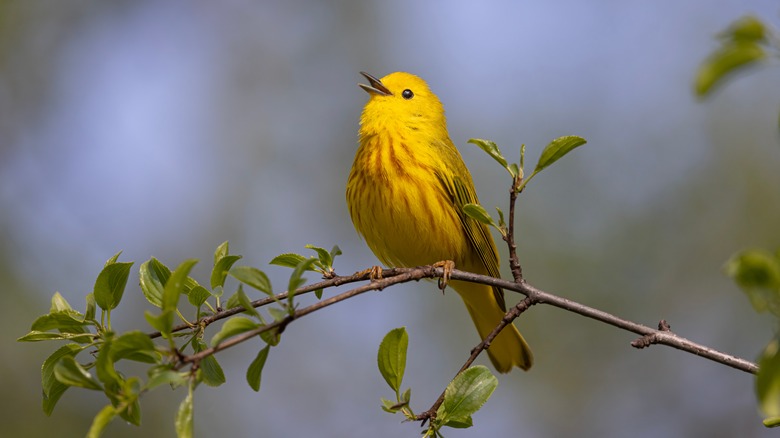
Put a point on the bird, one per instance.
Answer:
(405, 193)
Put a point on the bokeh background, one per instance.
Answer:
(162, 128)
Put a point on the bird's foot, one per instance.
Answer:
(374, 273)
(447, 266)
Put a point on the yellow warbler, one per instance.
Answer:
(406, 191)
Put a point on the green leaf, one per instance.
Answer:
(557, 149)
(476, 212)
(154, 275)
(35, 336)
(232, 327)
(134, 345)
(730, 58)
(406, 396)
(233, 300)
(176, 285)
(128, 400)
(104, 367)
(165, 376)
(110, 284)
(277, 314)
(52, 388)
(522, 159)
(271, 337)
(772, 422)
(198, 295)
(162, 322)
(66, 321)
(47, 370)
(465, 395)
(210, 371)
(184, 417)
(221, 268)
(297, 280)
(513, 170)
(90, 313)
(492, 149)
(288, 260)
(323, 255)
(501, 222)
(463, 423)
(252, 277)
(113, 259)
(243, 300)
(101, 420)
(747, 28)
(59, 303)
(757, 273)
(71, 373)
(50, 400)
(221, 251)
(754, 268)
(391, 357)
(768, 381)
(389, 406)
(255, 370)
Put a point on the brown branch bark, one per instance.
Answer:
(510, 316)
(509, 237)
(394, 276)
(336, 280)
(536, 296)
(667, 338)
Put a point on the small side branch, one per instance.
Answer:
(513, 313)
(509, 237)
(648, 340)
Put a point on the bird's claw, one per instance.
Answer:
(447, 266)
(374, 273)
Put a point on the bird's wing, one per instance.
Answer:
(461, 193)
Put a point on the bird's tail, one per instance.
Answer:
(508, 349)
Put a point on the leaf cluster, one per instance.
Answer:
(554, 151)
(464, 395)
(93, 354)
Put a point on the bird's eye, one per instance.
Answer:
(407, 94)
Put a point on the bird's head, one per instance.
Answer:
(401, 101)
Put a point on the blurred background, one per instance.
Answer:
(165, 128)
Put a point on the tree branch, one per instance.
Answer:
(662, 337)
(335, 280)
(534, 296)
(395, 276)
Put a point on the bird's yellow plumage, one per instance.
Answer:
(406, 192)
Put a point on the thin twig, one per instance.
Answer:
(513, 313)
(336, 280)
(509, 237)
(663, 337)
(394, 277)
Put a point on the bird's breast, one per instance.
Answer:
(399, 206)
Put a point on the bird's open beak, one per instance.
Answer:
(376, 87)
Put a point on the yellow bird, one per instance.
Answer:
(405, 194)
